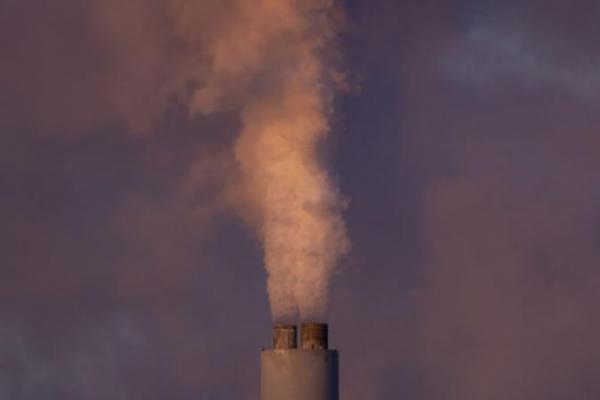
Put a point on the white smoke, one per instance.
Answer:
(285, 189)
(264, 59)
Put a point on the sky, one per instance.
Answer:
(466, 146)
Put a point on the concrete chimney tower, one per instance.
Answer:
(306, 373)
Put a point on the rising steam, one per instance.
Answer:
(266, 60)
(285, 187)
(285, 184)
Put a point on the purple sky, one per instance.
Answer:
(471, 158)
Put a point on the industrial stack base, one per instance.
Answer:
(306, 373)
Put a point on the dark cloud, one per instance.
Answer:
(470, 158)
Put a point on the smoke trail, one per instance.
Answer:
(265, 60)
(299, 208)
(283, 181)
(285, 189)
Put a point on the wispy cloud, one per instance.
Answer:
(494, 54)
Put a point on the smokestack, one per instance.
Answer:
(306, 373)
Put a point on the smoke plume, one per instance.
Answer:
(286, 188)
(264, 61)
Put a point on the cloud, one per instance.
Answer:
(490, 54)
(510, 299)
(92, 368)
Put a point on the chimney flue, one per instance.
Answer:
(314, 336)
(284, 337)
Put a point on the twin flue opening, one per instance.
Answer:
(313, 335)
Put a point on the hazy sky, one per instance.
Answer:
(469, 150)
